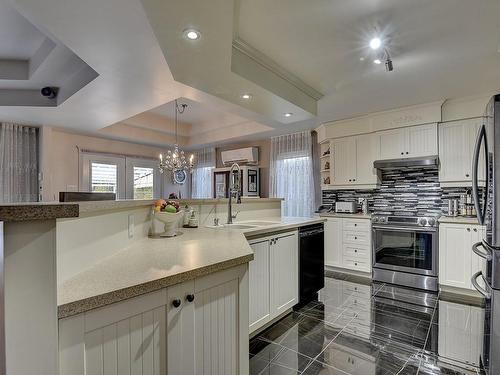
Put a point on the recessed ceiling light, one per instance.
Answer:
(375, 43)
(246, 96)
(288, 114)
(361, 59)
(192, 34)
(377, 61)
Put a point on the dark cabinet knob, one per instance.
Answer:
(402, 153)
(355, 251)
(355, 224)
(176, 302)
(475, 229)
(354, 179)
(355, 264)
(466, 175)
(406, 152)
(468, 229)
(355, 238)
(190, 297)
(349, 180)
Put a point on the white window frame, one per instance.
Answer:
(125, 172)
(143, 163)
(86, 161)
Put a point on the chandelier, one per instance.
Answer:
(175, 160)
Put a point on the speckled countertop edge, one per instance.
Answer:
(37, 211)
(105, 299)
(345, 215)
(91, 303)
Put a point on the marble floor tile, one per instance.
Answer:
(357, 328)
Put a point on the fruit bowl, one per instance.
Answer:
(170, 222)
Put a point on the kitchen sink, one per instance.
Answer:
(233, 226)
(260, 223)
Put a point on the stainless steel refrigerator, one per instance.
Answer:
(487, 203)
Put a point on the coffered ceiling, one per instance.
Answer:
(309, 59)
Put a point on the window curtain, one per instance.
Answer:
(291, 173)
(201, 179)
(18, 163)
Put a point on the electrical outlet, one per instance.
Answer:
(131, 226)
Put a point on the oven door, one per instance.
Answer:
(412, 250)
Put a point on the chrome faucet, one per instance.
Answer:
(234, 190)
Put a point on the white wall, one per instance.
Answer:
(60, 160)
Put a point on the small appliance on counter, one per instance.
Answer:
(325, 208)
(346, 207)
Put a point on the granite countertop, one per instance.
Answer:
(151, 264)
(345, 215)
(29, 211)
(458, 220)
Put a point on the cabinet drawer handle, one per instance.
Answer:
(475, 229)
(354, 179)
(355, 263)
(466, 175)
(176, 302)
(355, 251)
(355, 237)
(406, 152)
(468, 229)
(190, 297)
(355, 224)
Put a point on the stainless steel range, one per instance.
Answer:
(405, 251)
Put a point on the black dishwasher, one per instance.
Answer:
(311, 263)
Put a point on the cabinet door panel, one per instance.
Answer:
(136, 345)
(344, 156)
(471, 130)
(454, 162)
(333, 242)
(259, 285)
(366, 154)
(422, 140)
(392, 144)
(454, 331)
(216, 330)
(180, 329)
(284, 273)
(454, 255)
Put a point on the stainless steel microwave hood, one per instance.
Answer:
(427, 161)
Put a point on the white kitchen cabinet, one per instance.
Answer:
(457, 140)
(348, 244)
(353, 159)
(457, 261)
(259, 273)
(273, 277)
(344, 156)
(409, 142)
(460, 332)
(333, 242)
(163, 332)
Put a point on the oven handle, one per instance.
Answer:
(422, 229)
(476, 285)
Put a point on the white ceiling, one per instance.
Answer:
(14, 28)
(441, 49)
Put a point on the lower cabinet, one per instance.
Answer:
(197, 327)
(461, 330)
(457, 261)
(273, 277)
(348, 243)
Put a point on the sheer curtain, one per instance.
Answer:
(18, 163)
(201, 179)
(291, 173)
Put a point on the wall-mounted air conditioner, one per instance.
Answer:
(247, 155)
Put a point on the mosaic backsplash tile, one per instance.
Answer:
(410, 191)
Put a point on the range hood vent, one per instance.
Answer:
(420, 162)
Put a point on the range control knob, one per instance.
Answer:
(432, 222)
(422, 221)
(375, 219)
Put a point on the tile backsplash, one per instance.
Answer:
(409, 191)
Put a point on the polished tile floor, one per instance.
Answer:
(360, 328)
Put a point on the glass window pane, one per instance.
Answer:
(143, 183)
(104, 177)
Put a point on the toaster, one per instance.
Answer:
(346, 207)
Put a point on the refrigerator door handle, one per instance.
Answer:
(476, 285)
(480, 212)
(487, 254)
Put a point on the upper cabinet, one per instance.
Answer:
(408, 142)
(456, 147)
(352, 160)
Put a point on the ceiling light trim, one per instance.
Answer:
(253, 53)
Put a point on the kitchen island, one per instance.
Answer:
(118, 299)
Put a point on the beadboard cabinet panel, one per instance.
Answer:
(344, 156)
(259, 274)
